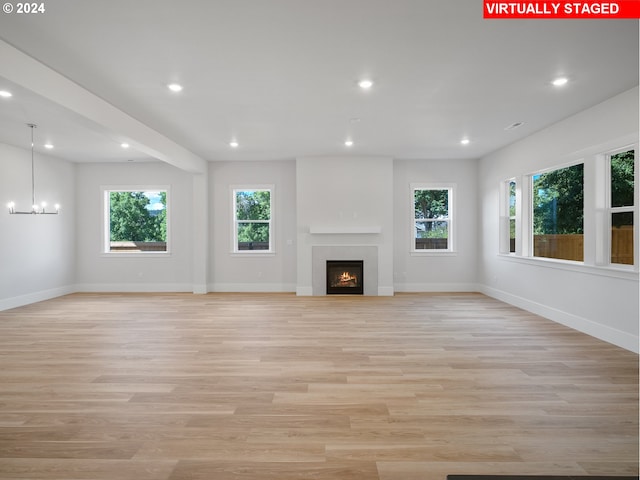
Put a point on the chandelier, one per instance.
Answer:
(35, 208)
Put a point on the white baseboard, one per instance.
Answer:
(200, 289)
(385, 291)
(134, 287)
(21, 300)
(252, 287)
(436, 287)
(611, 335)
(304, 291)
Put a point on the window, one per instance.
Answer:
(558, 213)
(508, 214)
(252, 217)
(621, 208)
(512, 215)
(135, 220)
(585, 212)
(432, 225)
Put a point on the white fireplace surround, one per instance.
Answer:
(367, 253)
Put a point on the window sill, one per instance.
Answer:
(621, 272)
(136, 254)
(433, 253)
(254, 253)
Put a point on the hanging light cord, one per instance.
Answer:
(33, 177)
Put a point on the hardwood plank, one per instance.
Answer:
(83, 469)
(262, 386)
(239, 470)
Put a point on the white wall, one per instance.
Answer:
(244, 271)
(42, 257)
(601, 302)
(421, 272)
(97, 271)
(37, 252)
(339, 192)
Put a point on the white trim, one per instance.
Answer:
(106, 217)
(435, 287)
(34, 297)
(623, 272)
(271, 222)
(135, 254)
(610, 210)
(602, 332)
(434, 253)
(386, 291)
(505, 217)
(252, 287)
(304, 291)
(200, 289)
(450, 220)
(135, 288)
(530, 180)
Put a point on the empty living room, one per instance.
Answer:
(302, 239)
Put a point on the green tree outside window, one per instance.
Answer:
(253, 219)
(131, 218)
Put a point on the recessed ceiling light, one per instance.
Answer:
(5, 94)
(365, 84)
(48, 146)
(348, 143)
(234, 144)
(465, 141)
(124, 145)
(175, 87)
(560, 81)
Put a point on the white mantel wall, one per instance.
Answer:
(338, 194)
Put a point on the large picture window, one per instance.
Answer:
(558, 213)
(621, 208)
(432, 219)
(252, 218)
(135, 221)
(585, 212)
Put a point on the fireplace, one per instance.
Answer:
(345, 277)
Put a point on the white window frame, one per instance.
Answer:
(597, 198)
(506, 217)
(451, 219)
(106, 223)
(529, 225)
(234, 221)
(610, 210)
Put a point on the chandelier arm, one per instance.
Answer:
(34, 208)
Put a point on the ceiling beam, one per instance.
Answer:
(27, 72)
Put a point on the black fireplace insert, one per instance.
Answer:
(345, 277)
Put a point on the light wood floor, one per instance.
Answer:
(274, 386)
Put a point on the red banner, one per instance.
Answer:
(562, 9)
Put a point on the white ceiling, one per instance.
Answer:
(280, 76)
